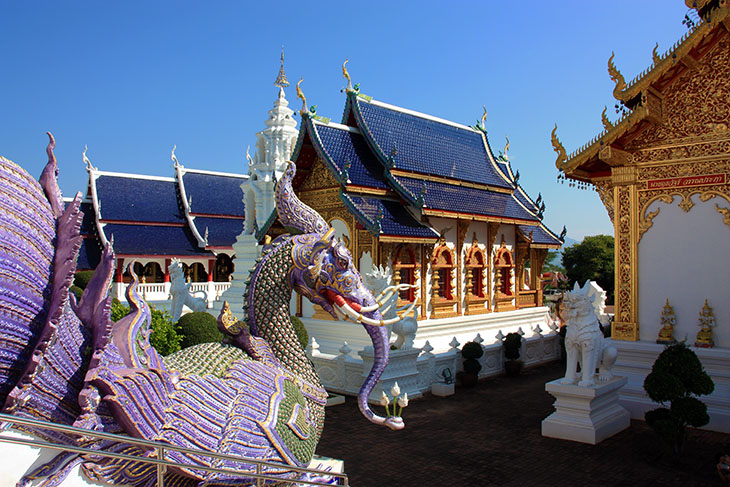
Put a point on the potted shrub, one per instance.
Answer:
(676, 377)
(511, 344)
(471, 352)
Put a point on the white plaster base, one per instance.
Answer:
(441, 389)
(247, 250)
(586, 414)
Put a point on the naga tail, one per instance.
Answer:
(44, 346)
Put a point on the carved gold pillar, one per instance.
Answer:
(462, 228)
(424, 275)
(626, 251)
(492, 229)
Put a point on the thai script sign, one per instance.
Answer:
(687, 181)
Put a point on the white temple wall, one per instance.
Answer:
(684, 257)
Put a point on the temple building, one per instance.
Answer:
(193, 216)
(427, 198)
(661, 171)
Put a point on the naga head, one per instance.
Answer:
(324, 272)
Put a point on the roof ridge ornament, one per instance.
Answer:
(482, 123)
(616, 76)
(281, 80)
(301, 96)
(655, 54)
(89, 166)
(558, 148)
(563, 234)
(173, 157)
(607, 125)
(346, 75)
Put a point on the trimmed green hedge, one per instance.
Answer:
(198, 327)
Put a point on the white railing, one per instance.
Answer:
(160, 448)
(156, 292)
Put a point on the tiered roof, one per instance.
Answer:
(185, 216)
(395, 166)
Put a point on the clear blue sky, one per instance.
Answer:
(131, 79)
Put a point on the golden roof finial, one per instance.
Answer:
(558, 147)
(616, 75)
(300, 95)
(484, 117)
(346, 75)
(281, 80)
(655, 54)
(506, 147)
(604, 119)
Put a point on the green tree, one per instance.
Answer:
(164, 337)
(591, 259)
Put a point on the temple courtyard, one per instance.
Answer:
(490, 435)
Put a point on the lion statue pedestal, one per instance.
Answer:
(586, 406)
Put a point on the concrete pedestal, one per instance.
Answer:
(586, 414)
(247, 250)
(441, 389)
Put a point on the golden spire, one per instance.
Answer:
(506, 147)
(484, 117)
(281, 80)
(655, 54)
(300, 95)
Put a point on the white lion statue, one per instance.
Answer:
(379, 281)
(180, 292)
(584, 340)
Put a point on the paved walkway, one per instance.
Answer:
(490, 435)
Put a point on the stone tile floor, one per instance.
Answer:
(490, 435)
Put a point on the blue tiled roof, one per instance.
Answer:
(539, 235)
(152, 240)
(222, 232)
(340, 145)
(138, 199)
(448, 197)
(427, 146)
(214, 194)
(88, 223)
(89, 254)
(525, 201)
(396, 220)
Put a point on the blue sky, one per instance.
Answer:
(131, 79)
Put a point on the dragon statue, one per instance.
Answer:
(256, 395)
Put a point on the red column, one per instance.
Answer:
(119, 270)
(167, 269)
(211, 267)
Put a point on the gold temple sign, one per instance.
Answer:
(687, 181)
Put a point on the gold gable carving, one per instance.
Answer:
(319, 178)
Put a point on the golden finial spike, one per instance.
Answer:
(281, 80)
(506, 147)
(346, 75)
(300, 95)
(558, 148)
(484, 117)
(655, 54)
(607, 125)
(616, 75)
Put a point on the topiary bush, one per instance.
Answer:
(471, 352)
(82, 278)
(77, 291)
(198, 327)
(301, 330)
(676, 377)
(512, 343)
(118, 310)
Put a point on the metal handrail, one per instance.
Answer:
(160, 448)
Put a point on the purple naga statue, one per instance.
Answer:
(256, 395)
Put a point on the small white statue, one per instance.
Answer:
(584, 340)
(180, 292)
(379, 281)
